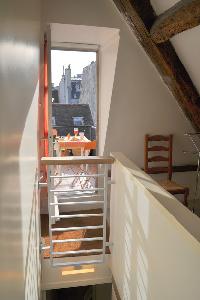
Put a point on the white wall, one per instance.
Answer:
(113, 295)
(140, 103)
(156, 240)
(19, 73)
(107, 66)
(52, 278)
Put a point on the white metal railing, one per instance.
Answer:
(83, 195)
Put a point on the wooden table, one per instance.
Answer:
(72, 143)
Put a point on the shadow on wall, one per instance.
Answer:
(153, 254)
(13, 208)
(32, 265)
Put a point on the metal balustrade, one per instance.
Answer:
(78, 198)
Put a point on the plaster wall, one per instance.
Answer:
(156, 239)
(140, 103)
(19, 73)
(135, 101)
(113, 295)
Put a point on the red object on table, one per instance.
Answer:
(75, 131)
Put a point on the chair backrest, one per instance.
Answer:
(155, 144)
(90, 145)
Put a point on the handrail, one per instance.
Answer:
(77, 160)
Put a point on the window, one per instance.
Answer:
(53, 121)
(75, 86)
(78, 121)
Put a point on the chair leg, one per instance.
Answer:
(185, 197)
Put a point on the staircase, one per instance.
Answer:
(77, 228)
(79, 232)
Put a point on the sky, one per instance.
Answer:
(77, 59)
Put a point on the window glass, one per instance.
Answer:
(78, 121)
(53, 121)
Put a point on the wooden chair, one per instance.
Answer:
(162, 143)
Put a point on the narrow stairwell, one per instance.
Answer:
(81, 228)
(75, 233)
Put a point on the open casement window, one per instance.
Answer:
(48, 120)
(45, 126)
(43, 111)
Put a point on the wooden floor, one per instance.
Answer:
(74, 222)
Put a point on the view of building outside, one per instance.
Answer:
(88, 89)
(74, 82)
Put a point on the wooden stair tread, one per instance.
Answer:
(83, 233)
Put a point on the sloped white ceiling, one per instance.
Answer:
(61, 33)
(186, 44)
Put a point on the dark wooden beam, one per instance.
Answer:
(184, 168)
(182, 16)
(140, 16)
(180, 169)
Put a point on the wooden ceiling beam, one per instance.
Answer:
(182, 16)
(140, 16)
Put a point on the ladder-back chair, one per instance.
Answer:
(156, 164)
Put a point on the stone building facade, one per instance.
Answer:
(64, 90)
(88, 89)
(55, 98)
(69, 88)
(75, 89)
